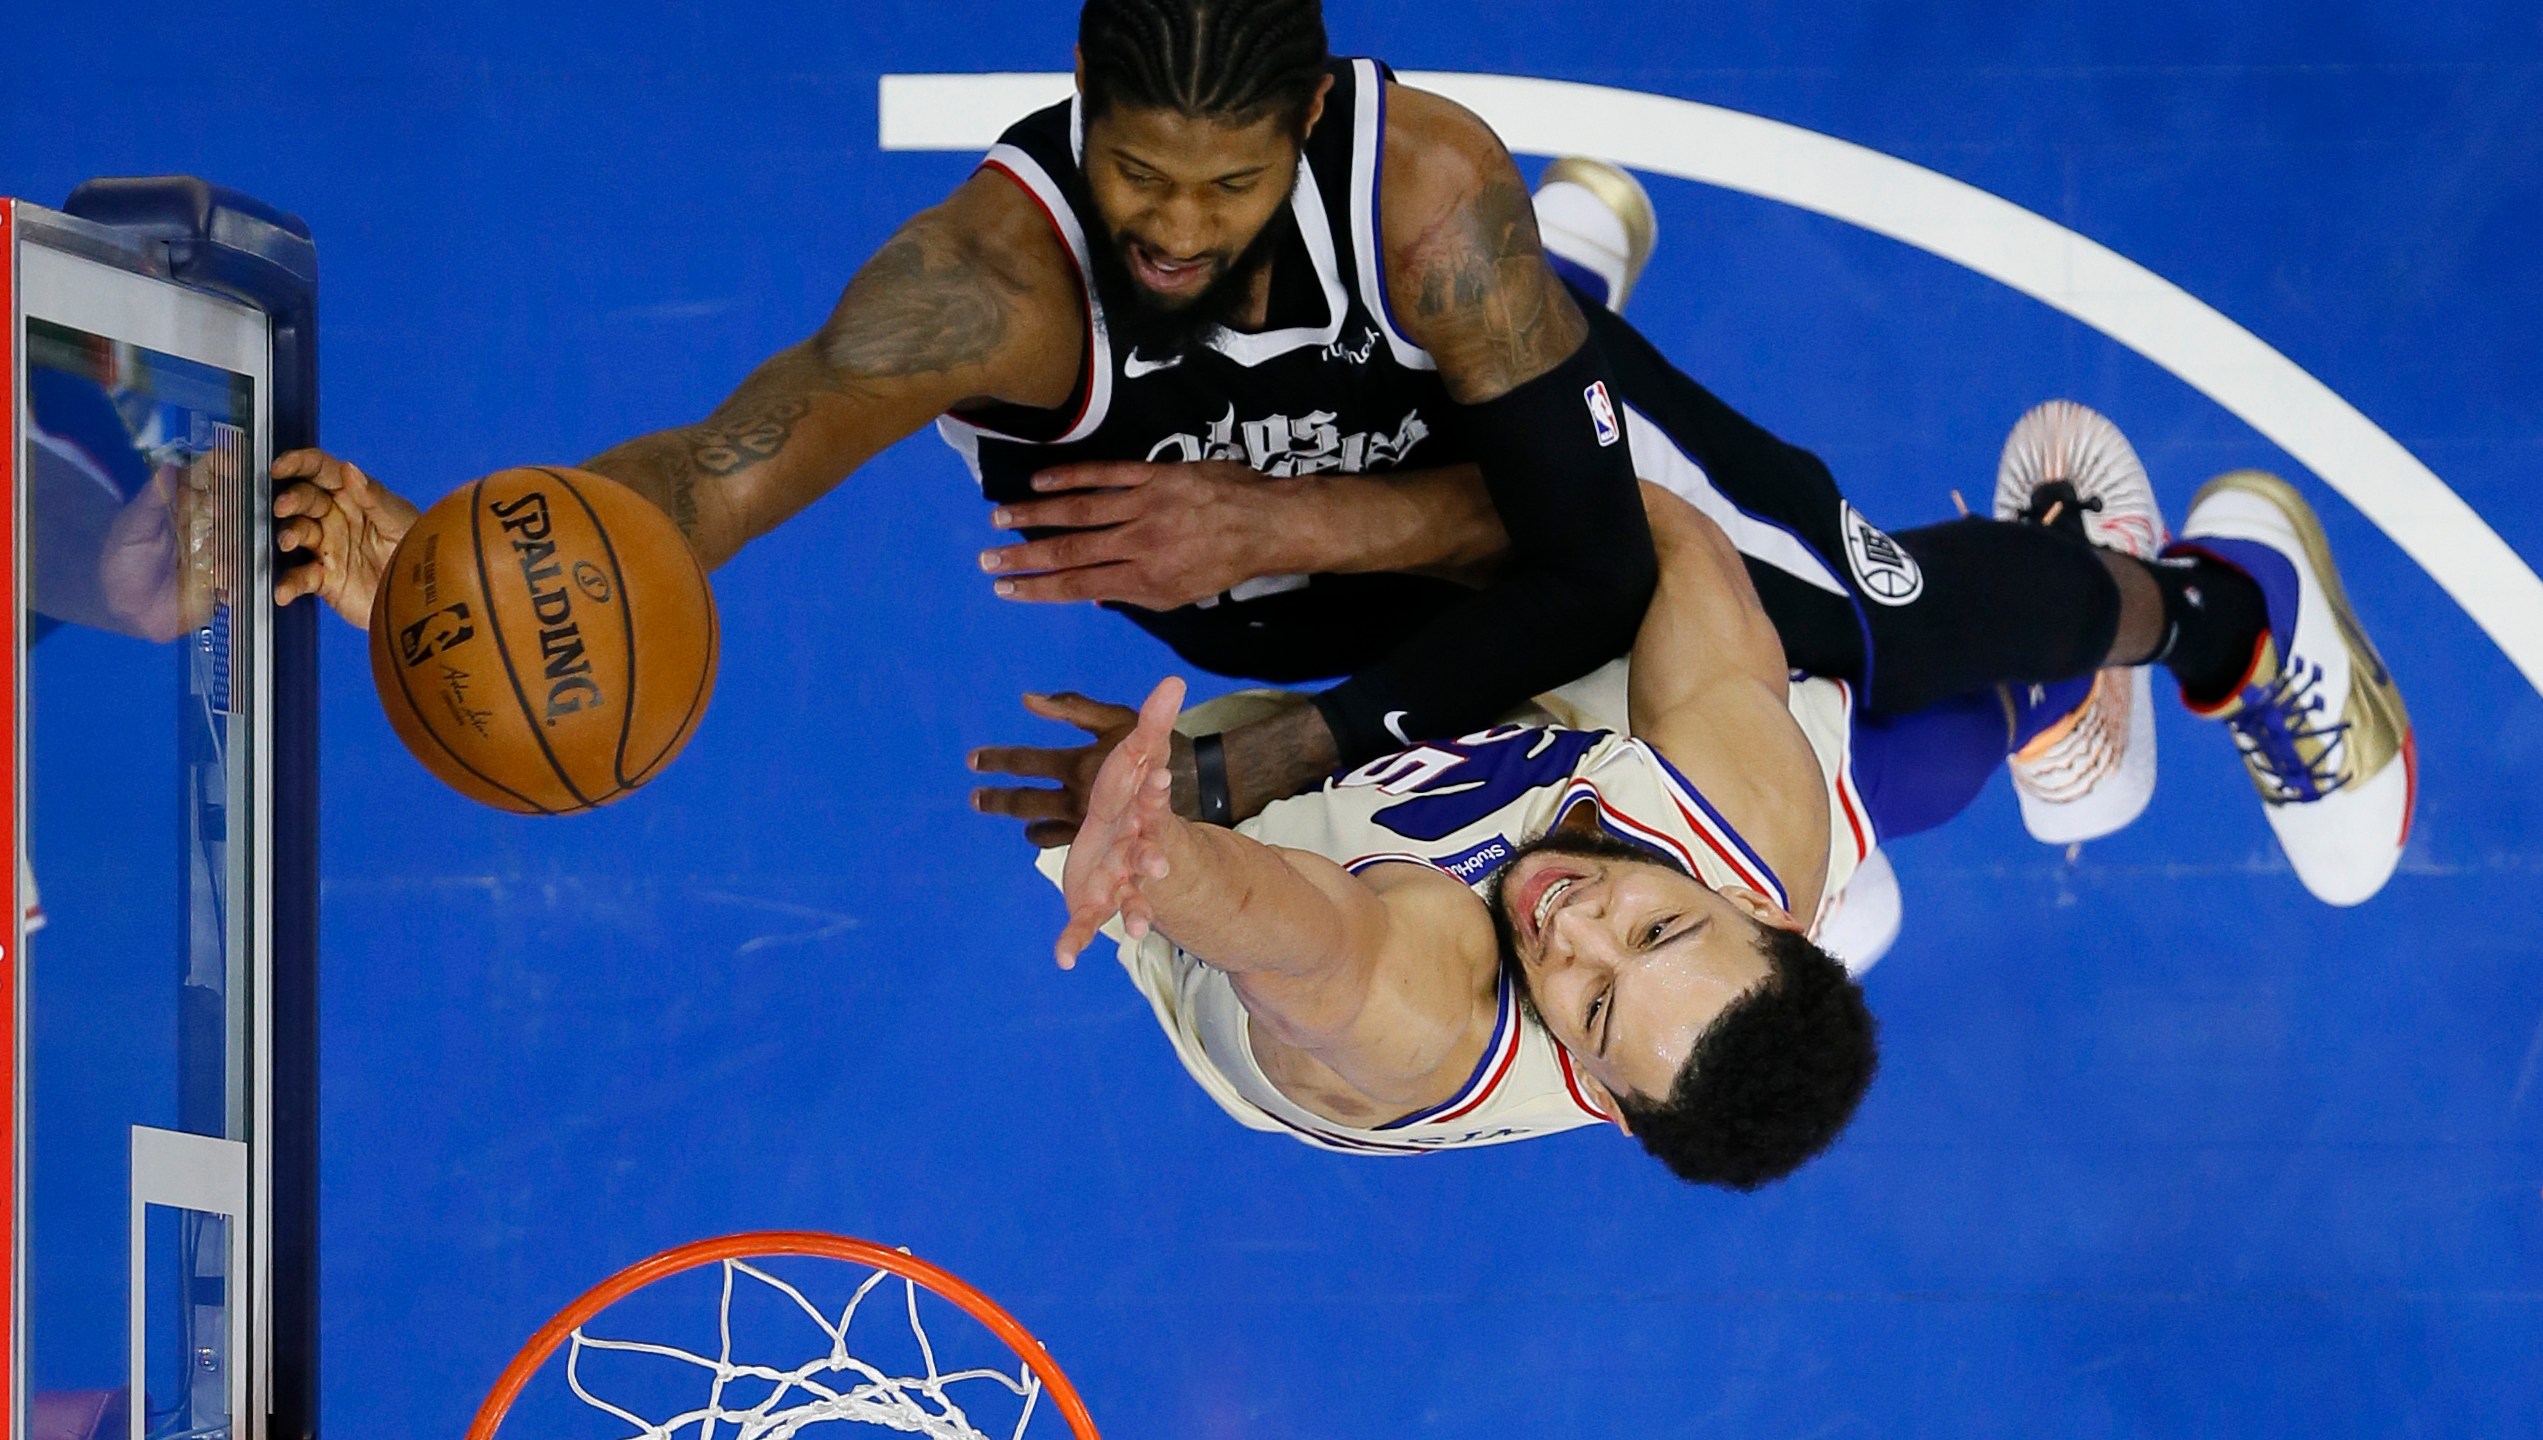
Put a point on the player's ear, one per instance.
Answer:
(1759, 907)
(1315, 107)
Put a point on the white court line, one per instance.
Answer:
(1945, 217)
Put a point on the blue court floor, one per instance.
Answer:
(2161, 1147)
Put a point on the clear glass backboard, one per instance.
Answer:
(142, 956)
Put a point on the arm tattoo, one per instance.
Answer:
(1488, 306)
(746, 430)
(915, 310)
(730, 442)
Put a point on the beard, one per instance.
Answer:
(1572, 844)
(1137, 320)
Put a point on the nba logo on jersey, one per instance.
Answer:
(1602, 412)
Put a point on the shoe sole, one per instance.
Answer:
(2065, 432)
(1619, 191)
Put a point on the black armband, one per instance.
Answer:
(1581, 570)
(1209, 778)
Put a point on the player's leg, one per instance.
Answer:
(1916, 617)
(2085, 763)
(2248, 615)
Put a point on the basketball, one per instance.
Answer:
(544, 640)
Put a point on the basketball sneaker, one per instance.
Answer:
(2090, 773)
(1597, 226)
(2317, 717)
(1858, 924)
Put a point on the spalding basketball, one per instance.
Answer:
(544, 640)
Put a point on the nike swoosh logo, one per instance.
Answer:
(1395, 725)
(1132, 367)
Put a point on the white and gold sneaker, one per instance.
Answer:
(2093, 772)
(1597, 226)
(2321, 725)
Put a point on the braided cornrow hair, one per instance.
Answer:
(1237, 60)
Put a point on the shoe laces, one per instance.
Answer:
(2285, 737)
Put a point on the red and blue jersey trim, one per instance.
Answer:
(1716, 832)
(1490, 1068)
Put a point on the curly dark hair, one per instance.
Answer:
(1772, 1081)
(1222, 59)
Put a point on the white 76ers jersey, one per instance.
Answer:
(1465, 807)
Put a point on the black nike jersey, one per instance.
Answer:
(1329, 383)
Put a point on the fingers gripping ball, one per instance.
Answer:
(544, 640)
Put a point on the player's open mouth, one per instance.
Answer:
(1542, 894)
(1171, 277)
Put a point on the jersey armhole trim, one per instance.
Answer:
(1713, 830)
(1857, 814)
(1572, 1083)
(1095, 397)
(1490, 1066)
(1368, 177)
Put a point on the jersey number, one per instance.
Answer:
(1454, 784)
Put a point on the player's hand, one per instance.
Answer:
(155, 570)
(1118, 849)
(1158, 536)
(345, 522)
(1051, 815)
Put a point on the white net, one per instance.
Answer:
(749, 1401)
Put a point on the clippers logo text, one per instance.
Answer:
(1295, 445)
(568, 670)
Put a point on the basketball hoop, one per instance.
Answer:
(834, 1386)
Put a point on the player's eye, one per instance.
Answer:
(1651, 933)
(1590, 1020)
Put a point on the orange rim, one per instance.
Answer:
(761, 1243)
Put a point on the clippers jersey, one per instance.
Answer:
(1465, 807)
(1331, 383)
(1328, 384)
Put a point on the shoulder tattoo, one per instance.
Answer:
(919, 307)
(1488, 307)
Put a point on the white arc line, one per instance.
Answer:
(1942, 216)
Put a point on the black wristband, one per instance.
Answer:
(1209, 775)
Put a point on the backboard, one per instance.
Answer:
(161, 946)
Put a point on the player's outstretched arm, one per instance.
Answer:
(1243, 905)
(1708, 688)
(1373, 983)
(972, 300)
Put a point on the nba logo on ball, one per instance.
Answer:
(1883, 570)
(1602, 412)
